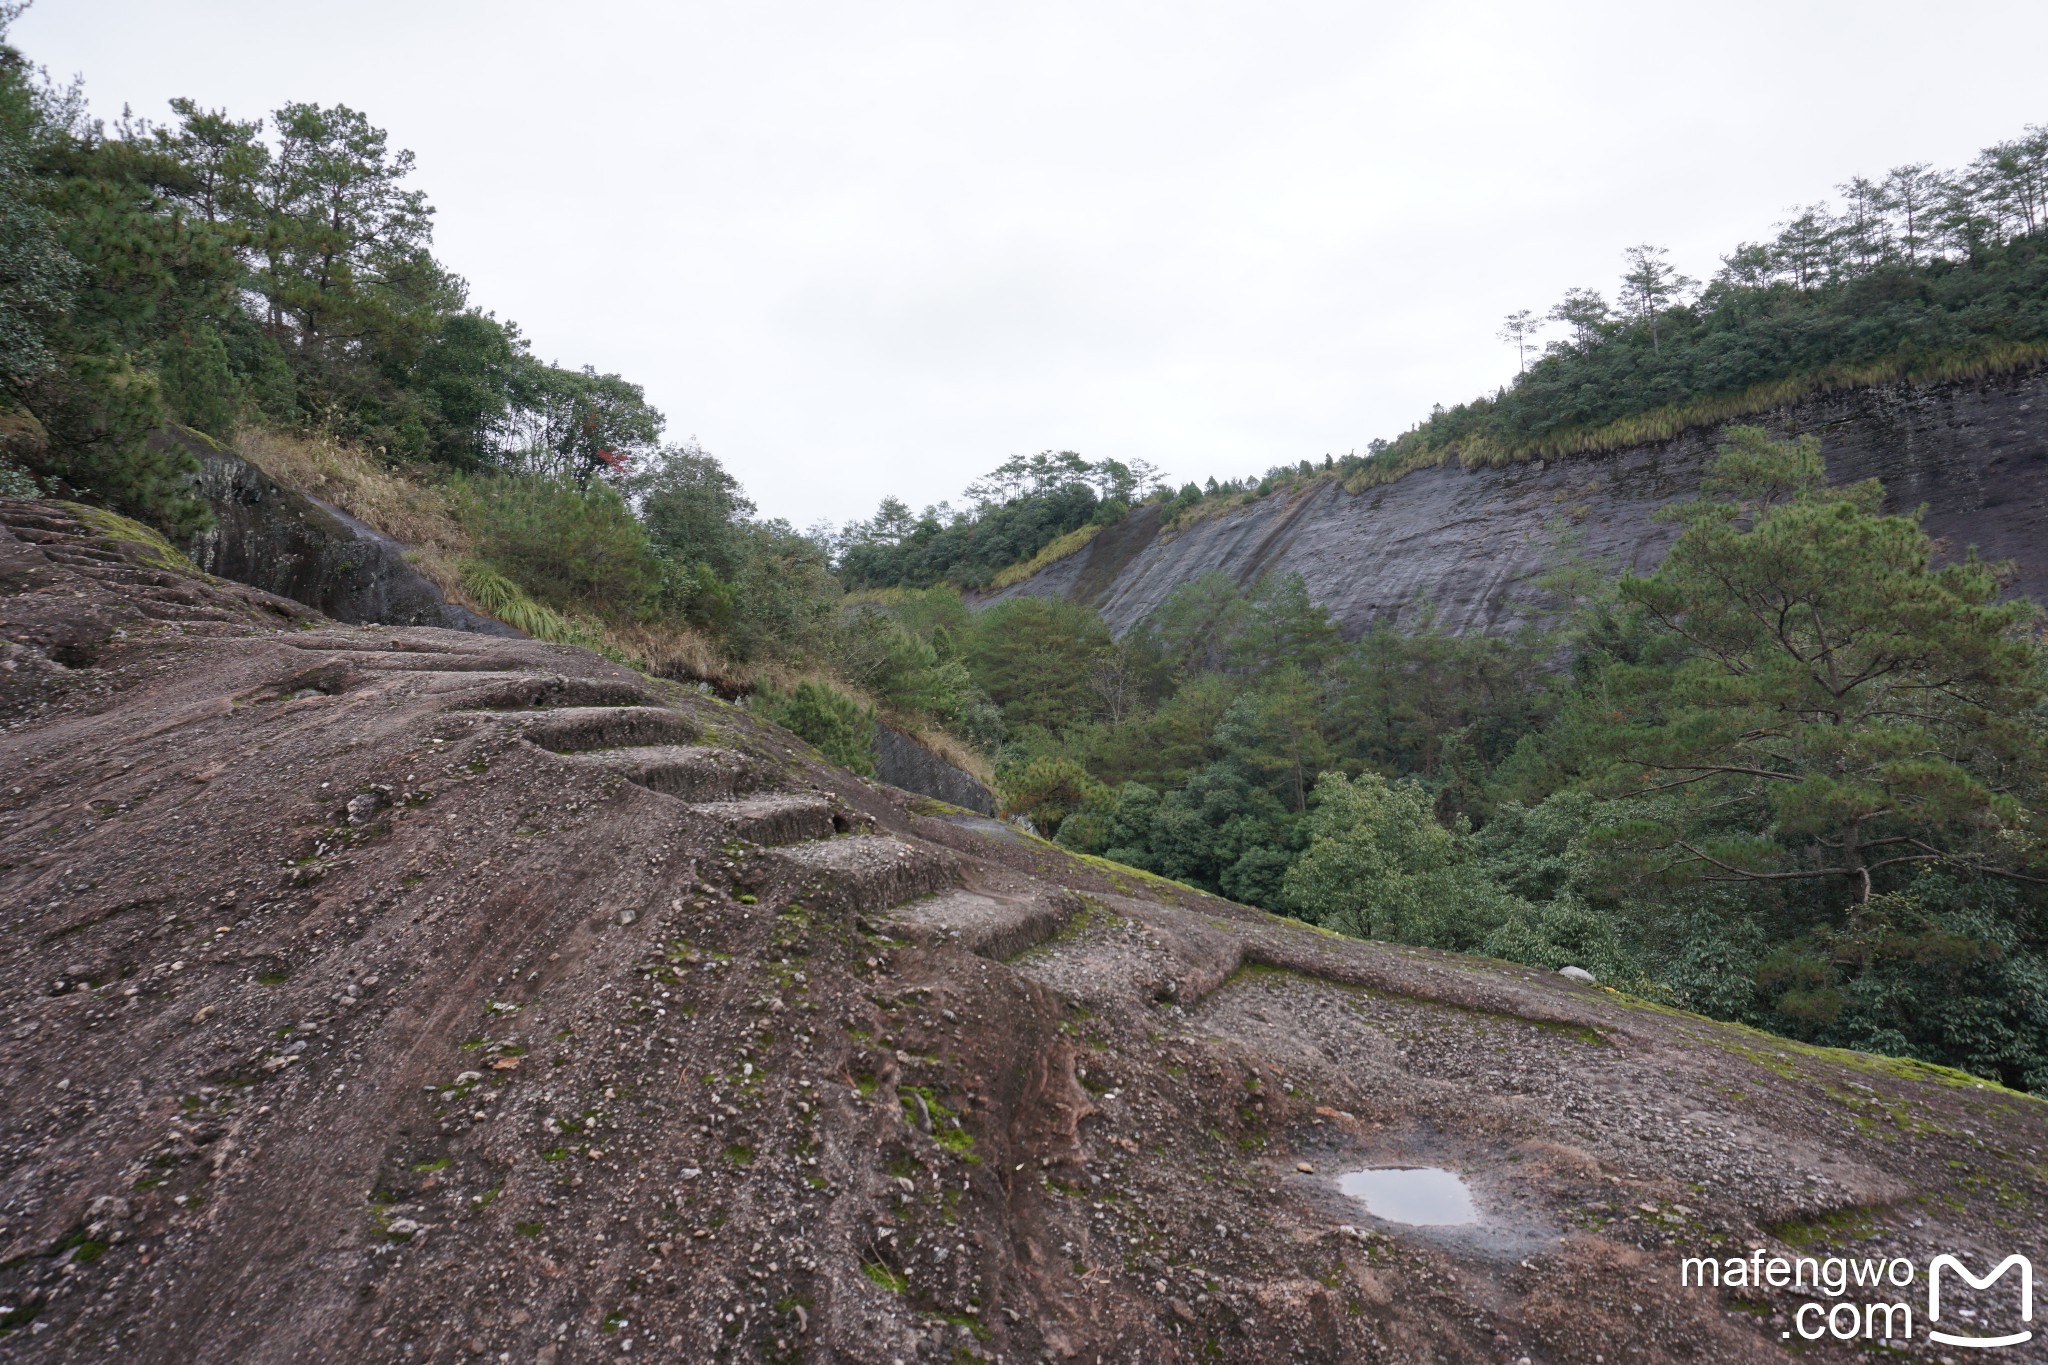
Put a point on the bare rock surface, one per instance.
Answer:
(1467, 545)
(902, 762)
(406, 995)
(291, 543)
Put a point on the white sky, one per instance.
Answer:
(876, 248)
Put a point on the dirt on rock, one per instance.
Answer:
(407, 995)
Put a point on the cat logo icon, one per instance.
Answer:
(1939, 1263)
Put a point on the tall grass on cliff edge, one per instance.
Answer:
(1675, 419)
(415, 513)
(1069, 544)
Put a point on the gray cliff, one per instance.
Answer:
(1471, 543)
(902, 762)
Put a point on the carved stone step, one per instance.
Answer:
(577, 729)
(988, 926)
(690, 772)
(781, 819)
(551, 691)
(864, 873)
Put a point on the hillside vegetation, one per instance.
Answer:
(1792, 778)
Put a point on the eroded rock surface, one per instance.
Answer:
(400, 994)
(292, 544)
(1468, 546)
(902, 762)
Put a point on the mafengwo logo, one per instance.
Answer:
(2026, 1280)
(1872, 1316)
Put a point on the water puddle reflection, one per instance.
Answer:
(1421, 1195)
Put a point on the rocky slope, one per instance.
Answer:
(1468, 544)
(406, 995)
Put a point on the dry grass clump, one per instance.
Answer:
(1052, 553)
(676, 651)
(954, 751)
(417, 514)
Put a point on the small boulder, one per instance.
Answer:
(110, 1206)
(364, 806)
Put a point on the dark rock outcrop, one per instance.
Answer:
(292, 544)
(902, 762)
(1470, 544)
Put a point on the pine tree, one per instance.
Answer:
(1650, 286)
(1830, 707)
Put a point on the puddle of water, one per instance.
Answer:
(1422, 1195)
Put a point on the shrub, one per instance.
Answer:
(570, 547)
(498, 596)
(1047, 790)
(197, 383)
(100, 415)
(833, 723)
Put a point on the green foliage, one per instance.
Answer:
(1379, 864)
(466, 372)
(1217, 831)
(572, 548)
(833, 723)
(36, 273)
(280, 267)
(198, 385)
(102, 416)
(1021, 508)
(504, 599)
(1035, 656)
(342, 259)
(883, 651)
(16, 482)
(263, 373)
(692, 509)
(1823, 704)
(571, 424)
(1046, 790)
(784, 597)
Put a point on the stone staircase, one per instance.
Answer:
(816, 852)
(815, 849)
(150, 580)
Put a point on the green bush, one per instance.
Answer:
(874, 649)
(101, 415)
(1047, 790)
(572, 548)
(198, 385)
(833, 723)
(500, 597)
(16, 482)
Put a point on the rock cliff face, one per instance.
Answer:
(290, 543)
(902, 762)
(1470, 543)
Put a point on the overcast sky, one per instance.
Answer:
(876, 248)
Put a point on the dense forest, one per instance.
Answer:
(1790, 778)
